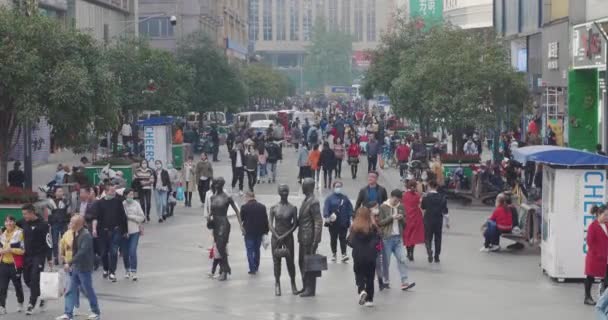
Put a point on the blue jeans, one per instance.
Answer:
(601, 308)
(81, 280)
(394, 245)
(57, 231)
(129, 252)
(262, 172)
(273, 169)
(253, 244)
(160, 197)
(75, 301)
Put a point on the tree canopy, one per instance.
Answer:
(328, 58)
(53, 72)
(216, 84)
(265, 83)
(444, 76)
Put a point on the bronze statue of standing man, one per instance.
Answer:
(310, 225)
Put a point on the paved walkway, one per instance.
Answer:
(173, 283)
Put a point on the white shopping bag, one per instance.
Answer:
(265, 241)
(51, 285)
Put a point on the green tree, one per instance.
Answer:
(447, 77)
(139, 68)
(266, 84)
(328, 58)
(52, 72)
(216, 84)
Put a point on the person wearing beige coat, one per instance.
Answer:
(189, 179)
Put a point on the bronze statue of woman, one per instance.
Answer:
(283, 221)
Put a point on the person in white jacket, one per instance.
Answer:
(135, 218)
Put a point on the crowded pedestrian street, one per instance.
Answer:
(174, 265)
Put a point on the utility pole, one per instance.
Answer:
(30, 8)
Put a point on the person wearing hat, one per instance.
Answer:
(16, 177)
(255, 225)
(337, 212)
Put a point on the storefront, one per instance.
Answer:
(586, 120)
(554, 84)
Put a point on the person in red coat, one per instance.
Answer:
(353, 157)
(414, 227)
(596, 260)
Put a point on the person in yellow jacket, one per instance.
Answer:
(11, 262)
(66, 252)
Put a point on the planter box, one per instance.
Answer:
(92, 173)
(450, 167)
(10, 209)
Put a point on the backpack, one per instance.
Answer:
(314, 136)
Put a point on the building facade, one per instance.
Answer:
(280, 30)
(468, 14)
(224, 21)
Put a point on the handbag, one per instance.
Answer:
(180, 196)
(210, 224)
(281, 252)
(353, 160)
(51, 285)
(315, 263)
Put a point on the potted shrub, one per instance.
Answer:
(126, 165)
(452, 161)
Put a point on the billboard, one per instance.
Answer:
(429, 12)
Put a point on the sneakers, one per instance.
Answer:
(63, 317)
(210, 275)
(93, 316)
(407, 286)
(345, 258)
(42, 306)
(105, 274)
(112, 277)
(362, 297)
(30, 310)
(494, 248)
(2, 310)
(133, 276)
(128, 275)
(484, 249)
(333, 258)
(369, 304)
(20, 307)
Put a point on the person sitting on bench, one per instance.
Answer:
(501, 221)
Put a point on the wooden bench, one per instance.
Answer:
(528, 225)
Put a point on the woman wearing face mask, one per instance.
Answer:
(174, 177)
(145, 175)
(135, 218)
(162, 186)
(337, 212)
(189, 179)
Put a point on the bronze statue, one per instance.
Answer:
(218, 221)
(283, 221)
(310, 225)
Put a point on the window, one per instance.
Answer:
(155, 27)
(281, 20)
(294, 20)
(267, 20)
(345, 16)
(254, 19)
(307, 20)
(371, 20)
(333, 15)
(320, 9)
(358, 20)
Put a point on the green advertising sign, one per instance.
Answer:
(427, 11)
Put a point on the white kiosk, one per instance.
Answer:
(158, 139)
(573, 181)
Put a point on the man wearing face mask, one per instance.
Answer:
(111, 221)
(337, 212)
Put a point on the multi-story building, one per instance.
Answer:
(280, 30)
(468, 14)
(224, 21)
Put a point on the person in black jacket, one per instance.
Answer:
(274, 155)
(255, 225)
(328, 162)
(435, 206)
(37, 246)
(59, 218)
(16, 177)
(373, 192)
(215, 138)
(365, 239)
(110, 226)
(162, 187)
(237, 158)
